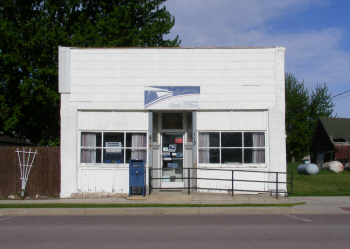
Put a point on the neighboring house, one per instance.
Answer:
(331, 141)
(11, 141)
(175, 108)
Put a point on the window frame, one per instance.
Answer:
(124, 147)
(242, 147)
(184, 130)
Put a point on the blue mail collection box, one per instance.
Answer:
(137, 176)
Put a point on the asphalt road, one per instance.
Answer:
(162, 231)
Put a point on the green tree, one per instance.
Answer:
(297, 129)
(30, 33)
(320, 105)
(303, 108)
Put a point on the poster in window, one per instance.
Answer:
(179, 154)
(166, 154)
(178, 140)
(172, 147)
(172, 165)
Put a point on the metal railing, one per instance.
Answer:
(193, 186)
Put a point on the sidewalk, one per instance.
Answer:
(313, 205)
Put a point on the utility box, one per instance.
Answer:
(137, 177)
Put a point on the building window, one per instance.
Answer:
(112, 147)
(172, 121)
(231, 147)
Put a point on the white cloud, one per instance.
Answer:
(312, 55)
(201, 21)
(259, 10)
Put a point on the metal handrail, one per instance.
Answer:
(189, 178)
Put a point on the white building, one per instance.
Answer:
(206, 108)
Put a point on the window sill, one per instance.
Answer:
(233, 166)
(104, 165)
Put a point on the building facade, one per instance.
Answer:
(204, 108)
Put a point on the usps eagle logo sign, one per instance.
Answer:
(172, 97)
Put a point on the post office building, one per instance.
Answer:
(189, 113)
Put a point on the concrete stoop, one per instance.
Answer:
(169, 195)
(209, 197)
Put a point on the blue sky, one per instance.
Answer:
(315, 33)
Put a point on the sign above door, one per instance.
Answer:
(172, 97)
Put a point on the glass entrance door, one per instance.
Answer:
(172, 159)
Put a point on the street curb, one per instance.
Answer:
(150, 211)
(41, 211)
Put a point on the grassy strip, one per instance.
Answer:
(156, 205)
(325, 183)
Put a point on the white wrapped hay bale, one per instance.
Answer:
(335, 166)
(307, 169)
(347, 166)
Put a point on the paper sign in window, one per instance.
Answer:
(166, 154)
(172, 148)
(172, 165)
(178, 140)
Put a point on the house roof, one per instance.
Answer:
(14, 141)
(337, 128)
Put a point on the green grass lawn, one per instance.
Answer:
(325, 183)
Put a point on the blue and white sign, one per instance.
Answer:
(172, 165)
(172, 97)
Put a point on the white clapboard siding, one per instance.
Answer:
(236, 105)
(102, 121)
(207, 89)
(240, 97)
(112, 106)
(127, 106)
(115, 97)
(253, 96)
(216, 97)
(107, 89)
(239, 89)
(179, 81)
(171, 65)
(232, 120)
(116, 78)
(170, 73)
(156, 55)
